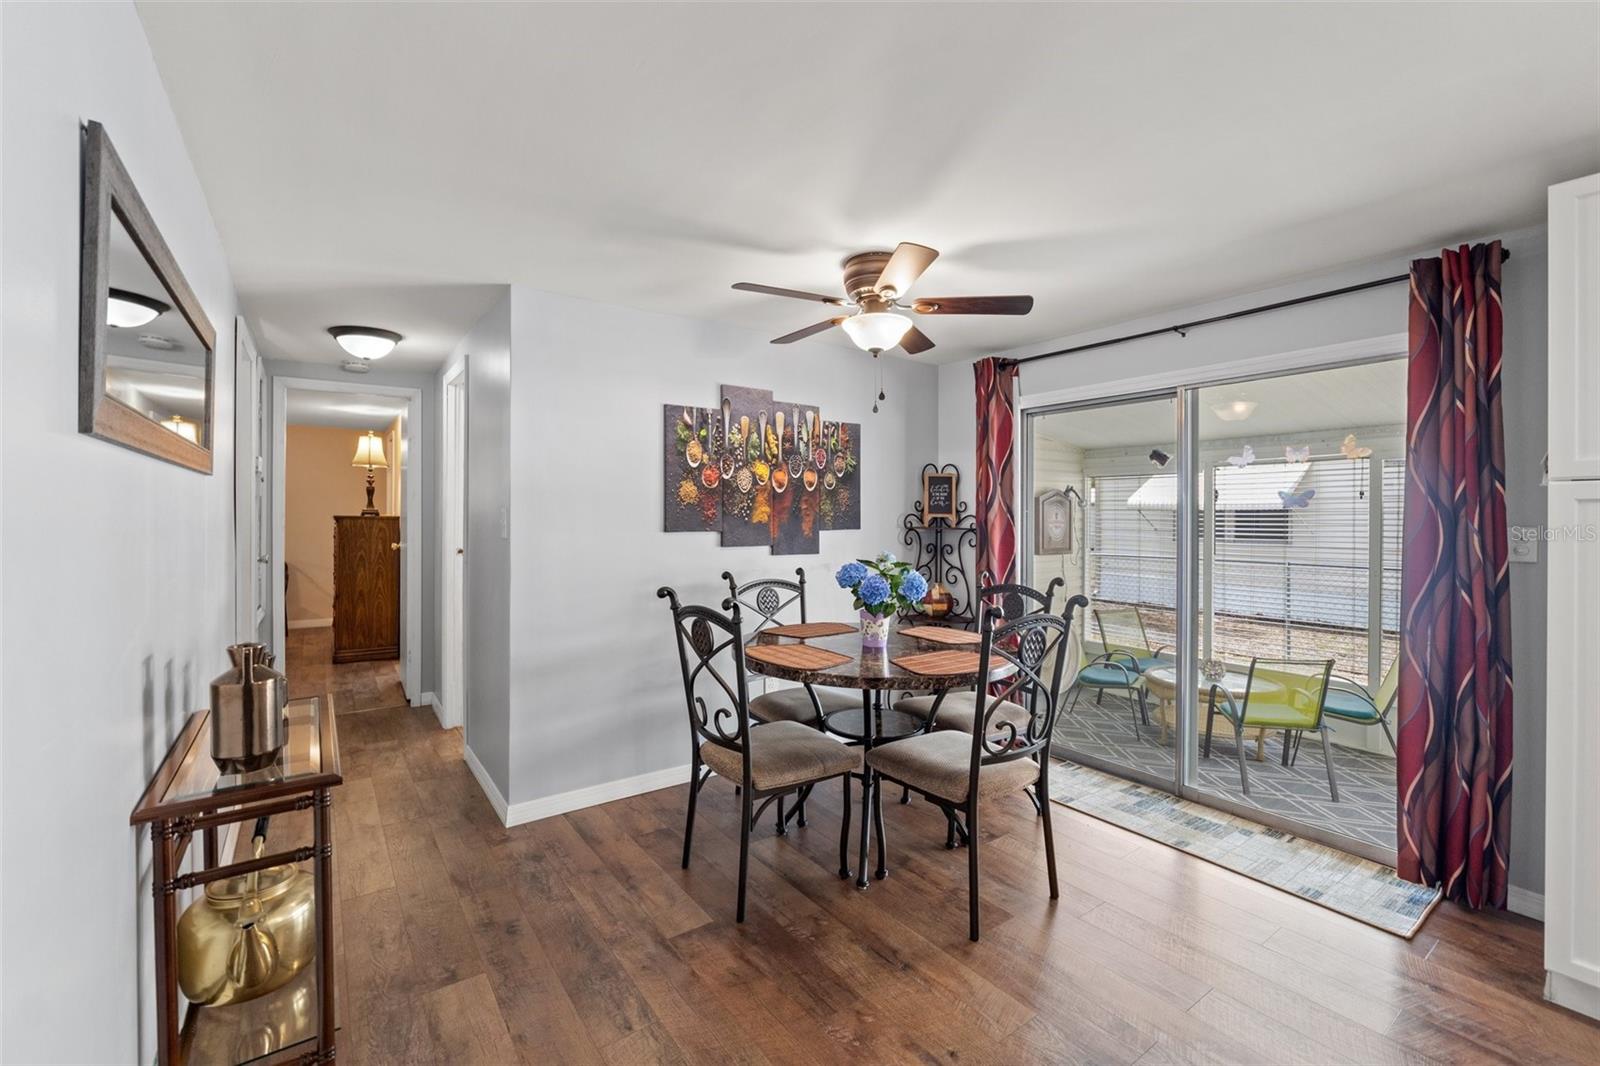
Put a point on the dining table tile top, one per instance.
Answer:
(795, 656)
(803, 630)
(943, 635)
(939, 663)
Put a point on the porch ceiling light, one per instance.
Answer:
(1234, 410)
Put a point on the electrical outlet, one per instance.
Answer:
(1524, 544)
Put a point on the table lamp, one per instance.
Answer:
(369, 453)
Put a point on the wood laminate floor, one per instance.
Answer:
(364, 686)
(578, 939)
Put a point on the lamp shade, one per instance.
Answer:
(184, 428)
(369, 453)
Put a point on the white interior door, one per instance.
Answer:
(453, 551)
(250, 488)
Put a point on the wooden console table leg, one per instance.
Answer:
(166, 923)
(323, 875)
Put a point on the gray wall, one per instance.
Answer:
(487, 595)
(119, 568)
(1373, 313)
(596, 692)
(427, 444)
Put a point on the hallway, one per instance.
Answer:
(309, 665)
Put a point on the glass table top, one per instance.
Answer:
(197, 778)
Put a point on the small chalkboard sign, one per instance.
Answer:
(939, 495)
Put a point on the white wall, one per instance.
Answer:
(118, 567)
(596, 692)
(1355, 317)
(486, 606)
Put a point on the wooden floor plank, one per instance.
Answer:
(579, 939)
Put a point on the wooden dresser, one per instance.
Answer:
(366, 588)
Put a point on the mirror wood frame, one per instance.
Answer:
(108, 196)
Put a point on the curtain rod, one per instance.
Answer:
(1182, 329)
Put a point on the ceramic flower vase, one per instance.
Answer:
(874, 631)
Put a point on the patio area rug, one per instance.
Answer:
(1356, 887)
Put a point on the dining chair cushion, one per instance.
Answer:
(958, 709)
(1104, 675)
(940, 764)
(783, 754)
(1351, 706)
(793, 705)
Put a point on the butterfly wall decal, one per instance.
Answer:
(1297, 455)
(1246, 456)
(1351, 450)
(1293, 501)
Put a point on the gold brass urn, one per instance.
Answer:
(249, 935)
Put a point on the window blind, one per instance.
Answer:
(1301, 570)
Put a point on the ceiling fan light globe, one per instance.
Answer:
(876, 331)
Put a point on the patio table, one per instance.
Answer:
(1162, 683)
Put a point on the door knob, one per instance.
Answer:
(395, 546)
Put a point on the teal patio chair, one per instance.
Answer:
(1126, 654)
(1351, 701)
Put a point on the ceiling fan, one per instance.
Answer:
(876, 283)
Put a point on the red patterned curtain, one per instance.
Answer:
(996, 497)
(1454, 762)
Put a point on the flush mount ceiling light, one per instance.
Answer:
(1234, 410)
(876, 331)
(365, 342)
(125, 309)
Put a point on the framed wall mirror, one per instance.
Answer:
(146, 360)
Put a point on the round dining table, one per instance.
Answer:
(875, 673)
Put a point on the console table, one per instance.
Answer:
(189, 795)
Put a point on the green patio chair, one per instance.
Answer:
(1126, 654)
(1286, 694)
(1351, 701)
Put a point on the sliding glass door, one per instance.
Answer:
(1248, 532)
(1104, 496)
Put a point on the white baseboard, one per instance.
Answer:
(310, 623)
(431, 699)
(579, 798)
(1524, 902)
(485, 782)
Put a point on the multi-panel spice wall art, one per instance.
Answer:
(760, 471)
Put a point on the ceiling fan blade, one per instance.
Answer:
(793, 294)
(973, 305)
(915, 341)
(904, 267)
(802, 334)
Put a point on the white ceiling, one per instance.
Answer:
(1321, 403)
(382, 163)
(343, 410)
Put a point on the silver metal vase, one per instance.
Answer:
(247, 723)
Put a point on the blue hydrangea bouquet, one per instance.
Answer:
(882, 587)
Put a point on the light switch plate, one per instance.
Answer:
(1524, 544)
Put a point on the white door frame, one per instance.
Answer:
(246, 368)
(412, 538)
(452, 564)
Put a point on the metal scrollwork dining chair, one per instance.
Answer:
(958, 710)
(770, 597)
(958, 771)
(768, 761)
